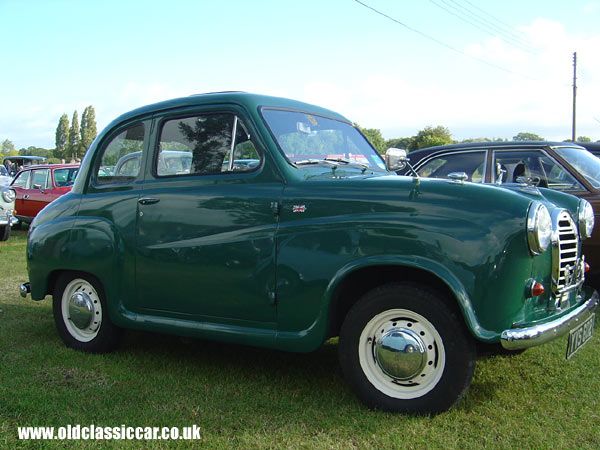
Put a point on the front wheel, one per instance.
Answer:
(81, 314)
(403, 349)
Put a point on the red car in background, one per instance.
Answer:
(36, 186)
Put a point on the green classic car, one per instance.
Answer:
(280, 226)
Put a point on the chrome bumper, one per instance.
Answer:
(8, 219)
(520, 338)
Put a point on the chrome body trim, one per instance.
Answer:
(520, 338)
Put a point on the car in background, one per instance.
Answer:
(7, 205)
(560, 166)
(5, 177)
(592, 147)
(36, 186)
(16, 163)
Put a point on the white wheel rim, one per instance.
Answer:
(402, 320)
(85, 290)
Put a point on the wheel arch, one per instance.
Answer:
(352, 282)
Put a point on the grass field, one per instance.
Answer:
(244, 397)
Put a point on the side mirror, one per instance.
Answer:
(395, 159)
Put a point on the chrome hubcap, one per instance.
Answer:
(81, 310)
(401, 354)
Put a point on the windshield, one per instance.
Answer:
(306, 138)
(584, 162)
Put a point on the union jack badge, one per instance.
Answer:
(299, 208)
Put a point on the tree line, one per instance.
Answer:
(72, 139)
(431, 136)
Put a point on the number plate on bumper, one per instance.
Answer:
(580, 335)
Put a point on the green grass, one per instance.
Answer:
(244, 397)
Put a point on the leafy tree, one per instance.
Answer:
(430, 136)
(62, 136)
(404, 142)
(374, 136)
(7, 148)
(584, 139)
(35, 151)
(527, 137)
(74, 148)
(88, 128)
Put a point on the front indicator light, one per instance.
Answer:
(537, 289)
(586, 267)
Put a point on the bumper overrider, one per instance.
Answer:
(521, 338)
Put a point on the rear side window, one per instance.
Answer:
(21, 180)
(65, 177)
(121, 157)
(39, 179)
(205, 144)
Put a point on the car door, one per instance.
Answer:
(19, 185)
(206, 222)
(39, 193)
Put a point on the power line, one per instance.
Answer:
(488, 27)
(504, 25)
(437, 41)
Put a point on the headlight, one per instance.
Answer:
(585, 219)
(8, 195)
(539, 228)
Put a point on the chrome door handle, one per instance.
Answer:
(26, 196)
(148, 200)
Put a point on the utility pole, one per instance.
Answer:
(573, 133)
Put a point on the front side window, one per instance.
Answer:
(306, 139)
(471, 163)
(121, 157)
(205, 144)
(535, 165)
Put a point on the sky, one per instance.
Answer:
(500, 68)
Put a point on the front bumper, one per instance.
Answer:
(520, 338)
(7, 218)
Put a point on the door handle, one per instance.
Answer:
(26, 196)
(148, 200)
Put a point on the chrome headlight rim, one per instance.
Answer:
(539, 228)
(9, 195)
(585, 219)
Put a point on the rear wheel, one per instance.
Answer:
(403, 349)
(4, 233)
(81, 314)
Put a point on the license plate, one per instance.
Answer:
(580, 335)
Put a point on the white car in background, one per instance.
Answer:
(5, 177)
(7, 206)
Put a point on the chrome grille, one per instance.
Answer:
(566, 263)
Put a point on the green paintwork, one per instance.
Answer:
(226, 257)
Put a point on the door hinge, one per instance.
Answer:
(276, 208)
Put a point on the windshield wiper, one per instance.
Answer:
(335, 162)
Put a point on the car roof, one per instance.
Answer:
(417, 155)
(50, 166)
(246, 99)
(593, 147)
